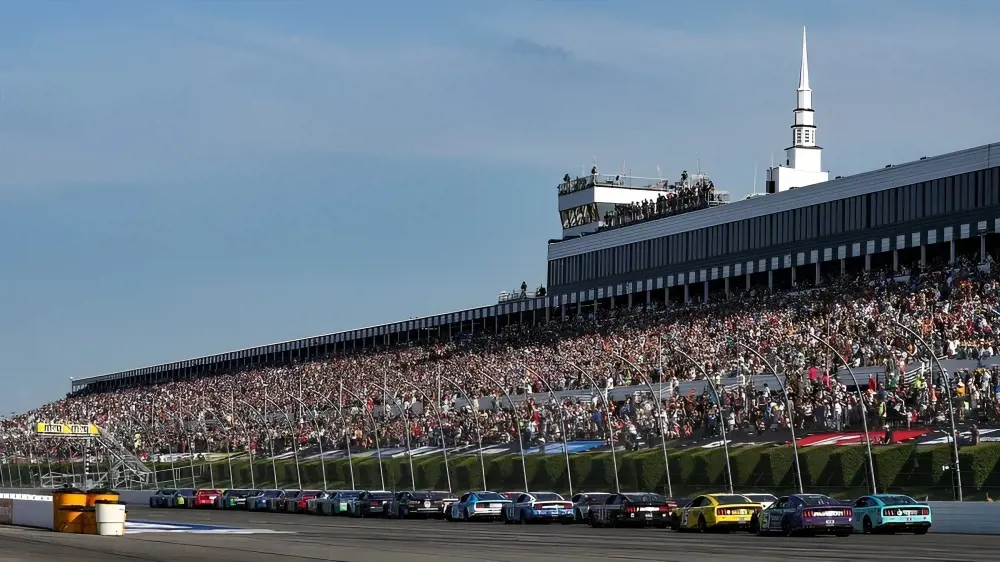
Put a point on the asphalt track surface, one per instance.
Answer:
(304, 537)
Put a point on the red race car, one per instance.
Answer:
(206, 498)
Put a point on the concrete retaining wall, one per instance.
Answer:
(26, 510)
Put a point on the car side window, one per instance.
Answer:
(614, 500)
(697, 502)
(523, 498)
(575, 498)
(464, 498)
(794, 502)
(861, 502)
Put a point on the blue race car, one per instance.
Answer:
(888, 513)
(539, 507)
(183, 497)
(478, 505)
(259, 501)
(162, 498)
(811, 514)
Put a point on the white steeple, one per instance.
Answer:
(803, 165)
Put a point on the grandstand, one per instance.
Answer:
(841, 259)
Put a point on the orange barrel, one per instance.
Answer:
(71, 519)
(64, 497)
(101, 494)
(89, 518)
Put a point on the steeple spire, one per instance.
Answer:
(804, 70)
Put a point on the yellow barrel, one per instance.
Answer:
(71, 519)
(101, 494)
(64, 497)
(89, 525)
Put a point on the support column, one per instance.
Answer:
(794, 271)
(982, 248)
(819, 277)
(923, 254)
(843, 267)
(748, 281)
(895, 260)
(770, 280)
(706, 290)
(630, 300)
(951, 250)
(649, 297)
(562, 310)
(726, 280)
(686, 293)
(868, 262)
(579, 308)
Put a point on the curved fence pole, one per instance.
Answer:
(437, 411)
(270, 440)
(517, 425)
(722, 420)
(562, 424)
(791, 413)
(951, 405)
(295, 445)
(658, 400)
(607, 411)
(319, 436)
(378, 445)
(475, 417)
(861, 403)
(394, 395)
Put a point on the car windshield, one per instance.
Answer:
(490, 496)
(818, 500)
(727, 499)
(249, 493)
(381, 495)
(897, 500)
(347, 495)
(187, 492)
(646, 498)
(548, 497)
(167, 492)
(293, 494)
(272, 493)
(420, 495)
(439, 495)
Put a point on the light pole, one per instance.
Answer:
(951, 404)
(378, 446)
(658, 400)
(607, 412)
(722, 420)
(861, 403)
(319, 436)
(791, 414)
(475, 417)
(517, 425)
(562, 425)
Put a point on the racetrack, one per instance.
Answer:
(304, 537)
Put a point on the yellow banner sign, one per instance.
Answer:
(67, 429)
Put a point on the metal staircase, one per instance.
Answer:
(126, 470)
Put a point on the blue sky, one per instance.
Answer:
(185, 178)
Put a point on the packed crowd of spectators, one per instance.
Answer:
(341, 399)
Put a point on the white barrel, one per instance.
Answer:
(110, 519)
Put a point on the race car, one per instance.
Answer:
(298, 504)
(234, 499)
(812, 514)
(336, 503)
(277, 505)
(478, 505)
(538, 507)
(416, 504)
(259, 501)
(582, 503)
(632, 509)
(206, 497)
(312, 504)
(183, 497)
(447, 498)
(888, 513)
(722, 512)
(369, 503)
(162, 498)
(765, 500)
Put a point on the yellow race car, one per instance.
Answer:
(716, 512)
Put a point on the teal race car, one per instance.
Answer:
(889, 513)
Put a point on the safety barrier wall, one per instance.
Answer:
(26, 510)
(33, 508)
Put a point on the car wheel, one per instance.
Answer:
(577, 515)
(613, 520)
(467, 516)
(866, 525)
(151, 506)
(754, 528)
(593, 521)
(702, 524)
(786, 527)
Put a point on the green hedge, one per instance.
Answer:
(835, 470)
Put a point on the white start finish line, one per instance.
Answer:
(140, 527)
